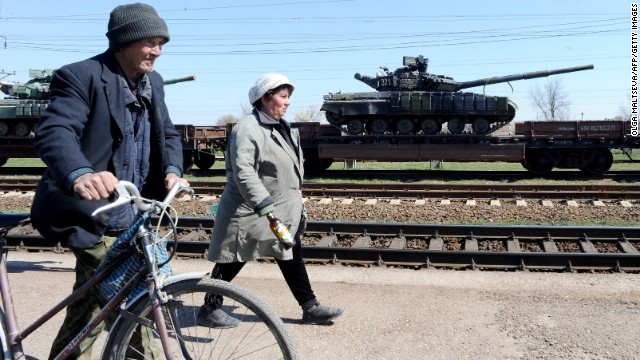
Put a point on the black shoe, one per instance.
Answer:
(320, 314)
(216, 318)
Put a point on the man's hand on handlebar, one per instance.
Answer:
(95, 186)
(171, 178)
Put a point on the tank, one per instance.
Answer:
(20, 110)
(410, 101)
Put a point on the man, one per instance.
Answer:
(107, 121)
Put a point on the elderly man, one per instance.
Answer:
(107, 121)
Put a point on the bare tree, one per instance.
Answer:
(245, 109)
(550, 101)
(227, 119)
(624, 110)
(310, 114)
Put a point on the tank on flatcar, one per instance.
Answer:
(411, 101)
(23, 104)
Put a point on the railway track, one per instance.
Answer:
(629, 192)
(558, 248)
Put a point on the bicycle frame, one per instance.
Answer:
(16, 336)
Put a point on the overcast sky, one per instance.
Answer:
(319, 45)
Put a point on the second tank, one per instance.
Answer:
(411, 101)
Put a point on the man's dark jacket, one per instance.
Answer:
(83, 127)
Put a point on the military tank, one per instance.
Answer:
(20, 110)
(410, 101)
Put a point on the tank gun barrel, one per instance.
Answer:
(180, 79)
(371, 81)
(524, 76)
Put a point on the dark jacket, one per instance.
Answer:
(82, 127)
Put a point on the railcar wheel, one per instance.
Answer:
(4, 129)
(204, 160)
(404, 126)
(21, 129)
(355, 127)
(539, 162)
(455, 125)
(600, 162)
(187, 159)
(379, 126)
(430, 126)
(481, 126)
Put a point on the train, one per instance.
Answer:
(540, 146)
(20, 111)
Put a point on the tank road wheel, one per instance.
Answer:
(333, 119)
(455, 125)
(600, 162)
(204, 160)
(4, 129)
(21, 129)
(430, 126)
(355, 126)
(481, 126)
(404, 126)
(379, 126)
(538, 162)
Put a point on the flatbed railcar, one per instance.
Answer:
(540, 146)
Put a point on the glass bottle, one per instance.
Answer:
(281, 231)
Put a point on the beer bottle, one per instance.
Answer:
(281, 231)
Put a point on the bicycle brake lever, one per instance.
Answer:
(123, 198)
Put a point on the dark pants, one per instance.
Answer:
(81, 311)
(294, 272)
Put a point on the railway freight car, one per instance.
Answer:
(540, 146)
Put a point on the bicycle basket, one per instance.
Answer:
(126, 270)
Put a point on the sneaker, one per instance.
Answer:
(216, 318)
(320, 314)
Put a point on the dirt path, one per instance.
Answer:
(407, 314)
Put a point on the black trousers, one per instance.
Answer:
(293, 271)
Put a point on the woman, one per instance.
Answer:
(264, 175)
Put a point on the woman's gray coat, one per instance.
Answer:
(259, 164)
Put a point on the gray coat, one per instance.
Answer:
(259, 164)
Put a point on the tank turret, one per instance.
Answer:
(36, 88)
(411, 101)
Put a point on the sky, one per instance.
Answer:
(320, 44)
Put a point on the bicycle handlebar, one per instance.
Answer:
(128, 192)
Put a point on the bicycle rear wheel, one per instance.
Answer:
(261, 334)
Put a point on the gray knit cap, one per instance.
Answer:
(134, 22)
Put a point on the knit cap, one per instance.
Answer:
(134, 22)
(265, 83)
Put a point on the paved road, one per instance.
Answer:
(408, 314)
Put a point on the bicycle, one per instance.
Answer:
(148, 297)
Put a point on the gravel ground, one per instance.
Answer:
(431, 212)
(407, 314)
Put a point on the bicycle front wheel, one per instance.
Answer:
(259, 334)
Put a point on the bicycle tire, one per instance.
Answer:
(4, 337)
(261, 333)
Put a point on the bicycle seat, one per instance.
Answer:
(12, 219)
